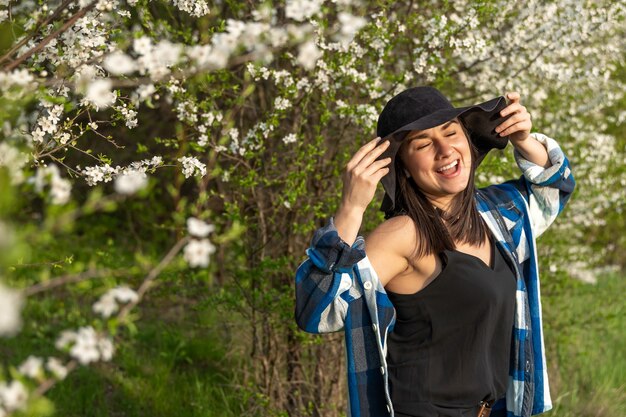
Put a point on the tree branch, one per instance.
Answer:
(50, 18)
(69, 279)
(47, 39)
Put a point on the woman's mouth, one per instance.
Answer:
(450, 170)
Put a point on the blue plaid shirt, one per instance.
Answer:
(337, 288)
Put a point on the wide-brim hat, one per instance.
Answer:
(422, 108)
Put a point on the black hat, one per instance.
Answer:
(422, 108)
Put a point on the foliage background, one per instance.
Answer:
(273, 124)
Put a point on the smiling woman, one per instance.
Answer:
(442, 313)
(437, 185)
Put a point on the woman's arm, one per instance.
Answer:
(360, 178)
(547, 182)
(325, 283)
(517, 127)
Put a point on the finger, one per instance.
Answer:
(374, 154)
(516, 118)
(513, 96)
(362, 159)
(378, 175)
(375, 166)
(512, 108)
(363, 150)
(517, 127)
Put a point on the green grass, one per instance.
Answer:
(178, 364)
(166, 371)
(586, 348)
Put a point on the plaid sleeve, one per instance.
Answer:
(546, 190)
(324, 280)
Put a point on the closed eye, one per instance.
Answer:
(451, 134)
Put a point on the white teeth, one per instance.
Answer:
(452, 165)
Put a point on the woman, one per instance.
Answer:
(442, 315)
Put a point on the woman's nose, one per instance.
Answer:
(444, 149)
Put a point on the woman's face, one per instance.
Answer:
(439, 160)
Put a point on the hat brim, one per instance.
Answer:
(480, 120)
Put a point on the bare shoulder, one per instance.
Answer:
(397, 233)
(390, 246)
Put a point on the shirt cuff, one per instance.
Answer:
(330, 253)
(539, 175)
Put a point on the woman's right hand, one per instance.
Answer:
(362, 174)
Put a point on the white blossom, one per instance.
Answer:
(290, 138)
(301, 10)
(167, 53)
(308, 55)
(14, 161)
(13, 396)
(103, 173)
(197, 252)
(349, 26)
(18, 77)
(57, 368)
(11, 303)
(192, 167)
(105, 346)
(63, 138)
(282, 103)
(196, 8)
(199, 228)
(119, 63)
(32, 367)
(60, 188)
(143, 93)
(108, 302)
(130, 182)
(142, 45)
(66, 338)
(99, 94)
(106, 305)
(124, 294)
(86, 346)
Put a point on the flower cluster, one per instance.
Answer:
(192, 166)
(16, 83)
(13, 397)
(105, 173)
(11, 303)
(108, 303)
(130, 116)
(86, 345)
(131, 181)
(14, 161)
(60, 188)
(99, 94)
(196, 8)
(33, 367)
(198, 251)
(48, 124)
(301, 10)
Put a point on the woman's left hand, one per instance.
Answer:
(517, 127)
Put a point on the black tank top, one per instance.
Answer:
(450, 346)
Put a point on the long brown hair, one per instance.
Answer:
(463, 221)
